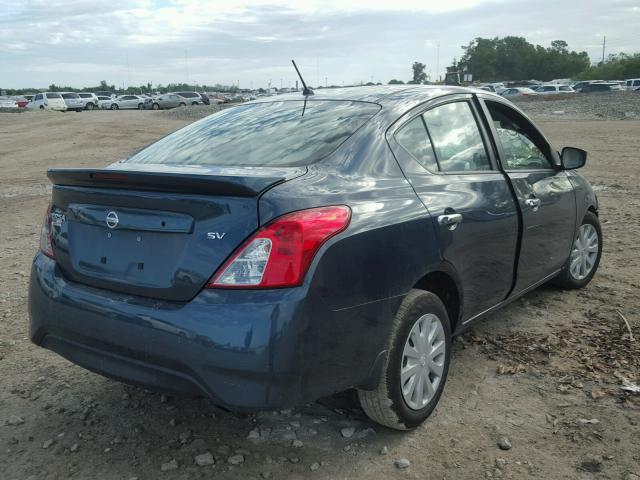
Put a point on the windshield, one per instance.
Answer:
(262, 134)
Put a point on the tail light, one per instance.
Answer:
(279, 254)
(46, 244)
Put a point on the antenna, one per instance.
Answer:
(305, 90)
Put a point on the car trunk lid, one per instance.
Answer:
(159, 234)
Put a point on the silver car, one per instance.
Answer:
(124, 101)
(73, 101)
(90, 100)
(168, 100)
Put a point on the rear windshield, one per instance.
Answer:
(53, 95)
(277, 134)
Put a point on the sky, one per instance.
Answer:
(251, 43)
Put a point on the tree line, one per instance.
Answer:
(514, 58)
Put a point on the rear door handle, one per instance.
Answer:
(534, 203)
(450, 220)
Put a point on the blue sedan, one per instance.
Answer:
(296, 246)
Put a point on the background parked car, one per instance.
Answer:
(124, 102)
(90, 100)
(554, 89)
(73, 101)
(102, 100)
(48, 101)
(22, 102)
(632, 84)
(6, 102)
(518, 92)
(192, 98)
(601, 87)
(168, 100)
(104, 93)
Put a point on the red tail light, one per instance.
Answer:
(46, 244)
(279, 254)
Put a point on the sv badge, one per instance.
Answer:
(216, 235)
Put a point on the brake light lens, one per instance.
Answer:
(279, 254)
(46, 244)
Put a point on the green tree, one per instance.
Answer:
(419, 76)
(395, 82)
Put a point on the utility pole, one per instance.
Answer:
(604, 43)
(186, 64)
(438, 61)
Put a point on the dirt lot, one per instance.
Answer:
(545, 373)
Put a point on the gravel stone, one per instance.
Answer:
(592, 463)
(15, 420)
(170, 465)
(314, 466)
(254, 434)
(204, 459)
(297, 443)
(236, 459)
(348, 432)
(402, 463)
(47, 443)
(504, 444)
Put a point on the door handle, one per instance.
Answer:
(450, 220)
(534, 203)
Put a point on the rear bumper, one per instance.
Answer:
(244, 349)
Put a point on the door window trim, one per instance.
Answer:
(419, 110)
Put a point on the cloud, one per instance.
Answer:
(80, 42)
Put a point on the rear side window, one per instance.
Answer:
(456, 139)
(414, 139)
(636, 83)
(53, 95)
(565, 89)
(275, 134)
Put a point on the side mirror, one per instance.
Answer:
(573, 158)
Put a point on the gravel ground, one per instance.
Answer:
(536, 390)
(584, 106)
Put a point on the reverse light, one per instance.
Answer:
(279, 254)
(46, 244)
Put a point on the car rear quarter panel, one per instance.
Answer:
(361, 275)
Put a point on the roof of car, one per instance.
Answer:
(377, 93)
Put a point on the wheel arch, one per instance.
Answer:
(444, 284)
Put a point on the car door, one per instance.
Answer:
(173, 101)
(543, 190)
(442, 151)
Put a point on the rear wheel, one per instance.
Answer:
(114, 106)
(155, 106)
(90, 106)
(194, 103)
(182, 104)
(416, 366)
(584, 259)
(140, 106)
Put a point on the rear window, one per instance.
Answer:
(70, 95)
(53, 95)
(277, 134)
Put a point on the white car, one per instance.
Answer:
(518, 92)
(632, 84)
(6, 102)
(554, 89)
(89, 100)
(48, 101)
(123, 102)
(104, 101)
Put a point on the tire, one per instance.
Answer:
(194, 103)
(568, 279)
(41, 107)
(78, 110)
(114, 106)
(140, 106)
(155, 106)
(90, 106)
(182, 104)
(386, 404)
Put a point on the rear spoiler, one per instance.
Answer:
(228, 185)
